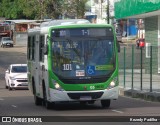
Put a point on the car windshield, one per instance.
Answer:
(7, 38)
(19, 69)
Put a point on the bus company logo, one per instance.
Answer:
(6, 119)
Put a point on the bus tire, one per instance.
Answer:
(46, 103)
(37, 100)
(105, 103)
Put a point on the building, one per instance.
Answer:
(20, 28)
(149, 11)
(97, 9)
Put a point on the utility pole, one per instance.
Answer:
(108, 11)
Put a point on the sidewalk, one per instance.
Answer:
(136, 91)
(148, 96)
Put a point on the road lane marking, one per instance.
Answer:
(14, 106)
(117, 111)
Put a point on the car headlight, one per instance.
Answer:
(57, 86)
(12, 78)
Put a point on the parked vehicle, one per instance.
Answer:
(140, 43)
(16, 77)
(6, 41)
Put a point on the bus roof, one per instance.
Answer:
(64, 22)
(45, 26)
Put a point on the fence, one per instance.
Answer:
(138, 68)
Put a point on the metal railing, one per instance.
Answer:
(137, 70)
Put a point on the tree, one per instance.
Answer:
(40, 9)
(74, 8)
(53, 8)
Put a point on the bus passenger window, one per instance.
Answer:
(41, 47)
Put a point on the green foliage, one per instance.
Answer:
(40, 9)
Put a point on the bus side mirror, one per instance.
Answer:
(45, 49)
(118, 46)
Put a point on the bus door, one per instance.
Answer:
(36, 64)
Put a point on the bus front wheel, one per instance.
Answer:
(46, 103)
(105, 103)
(37, 100)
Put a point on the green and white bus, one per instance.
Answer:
(72, 60)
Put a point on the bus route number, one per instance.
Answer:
(67, 67)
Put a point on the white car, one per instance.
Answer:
(6, 41)
(16, 77)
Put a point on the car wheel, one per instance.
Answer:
(6, 84)
(9, 88)
(105, 103)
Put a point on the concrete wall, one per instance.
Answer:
(20, 38)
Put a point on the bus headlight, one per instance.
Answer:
(57, 86)
(112, 83)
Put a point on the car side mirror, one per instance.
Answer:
(7, 71)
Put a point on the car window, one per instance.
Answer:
(6, 38)
(19, 69)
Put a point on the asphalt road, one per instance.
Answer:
(20, 102)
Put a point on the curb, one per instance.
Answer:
(148, 96)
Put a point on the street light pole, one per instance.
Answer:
(108, 11)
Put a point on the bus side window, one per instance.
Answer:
(41, 47)
(33, 48)
(28, 48)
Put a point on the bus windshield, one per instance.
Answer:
(87, 56)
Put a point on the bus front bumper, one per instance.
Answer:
(57, 96)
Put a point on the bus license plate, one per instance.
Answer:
(85, 98)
